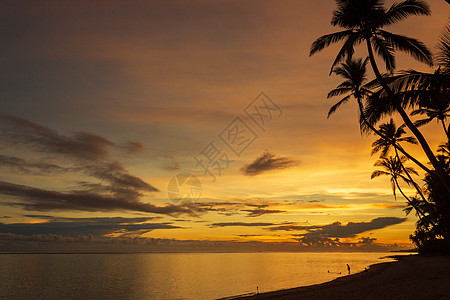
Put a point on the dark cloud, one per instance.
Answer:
(324, 241)
(248, 235)
(222, 208)
(267, 162)
(315, 201)
(30, 167)
(80, 145)
(257, 205)
(242, 224)
(236, 208)
(111, 172)
(330, 232)
(260, 212)
(353, 228)
(31, 198)
(117, 177)
(73, 227)
(131, 147)
(291, 227)
(85, 153)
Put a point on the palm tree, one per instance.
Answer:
(436, 226)
(395, 168)
(391, 138)
(438, 109)
(392, 166)
(363, 21)
(426, 93)
(421, 205)
(354, 73)
(444, 149)
(443, 56)
(437, 104)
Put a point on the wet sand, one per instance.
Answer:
(411, 277)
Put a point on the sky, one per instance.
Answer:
(110, 111)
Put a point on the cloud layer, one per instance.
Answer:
(109, 186)
(73, 227)
(331, 233)
(30, 198)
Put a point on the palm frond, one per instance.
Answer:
(422, 122)
(408, 210)
(327, 40)
(347, 50)
(345, 84)
(378, 173)
(443, 56)
(386, 51)
(413, 47)
(411, 170)
(409, 139)
(338, 92)
(337, 105)
(400, 11)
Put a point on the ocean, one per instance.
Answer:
(169, 275)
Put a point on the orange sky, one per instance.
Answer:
(169, 76)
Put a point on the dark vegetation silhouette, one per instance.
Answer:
(416, 98)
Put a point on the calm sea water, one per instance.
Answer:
(168, 275)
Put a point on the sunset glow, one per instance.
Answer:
(103, 103)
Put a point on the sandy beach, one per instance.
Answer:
(410, 277)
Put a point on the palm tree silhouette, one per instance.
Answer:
(363, 21)
(354, 72)
(392, 167)
(443, 55)
(433, 97)
(444, 150)
(438, 109)
(391, 138)
(427, 93)
(355, 75)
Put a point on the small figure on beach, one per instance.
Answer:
(348, 268)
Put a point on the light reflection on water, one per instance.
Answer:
(168, 275)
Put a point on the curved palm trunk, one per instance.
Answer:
(403, 194)
(397, 147)
(419, 211)
(445, 129)
(444, 178)
(409, 177)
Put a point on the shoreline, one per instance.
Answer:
(408, 277)
(404, 253)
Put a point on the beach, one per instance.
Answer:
(410, 277)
